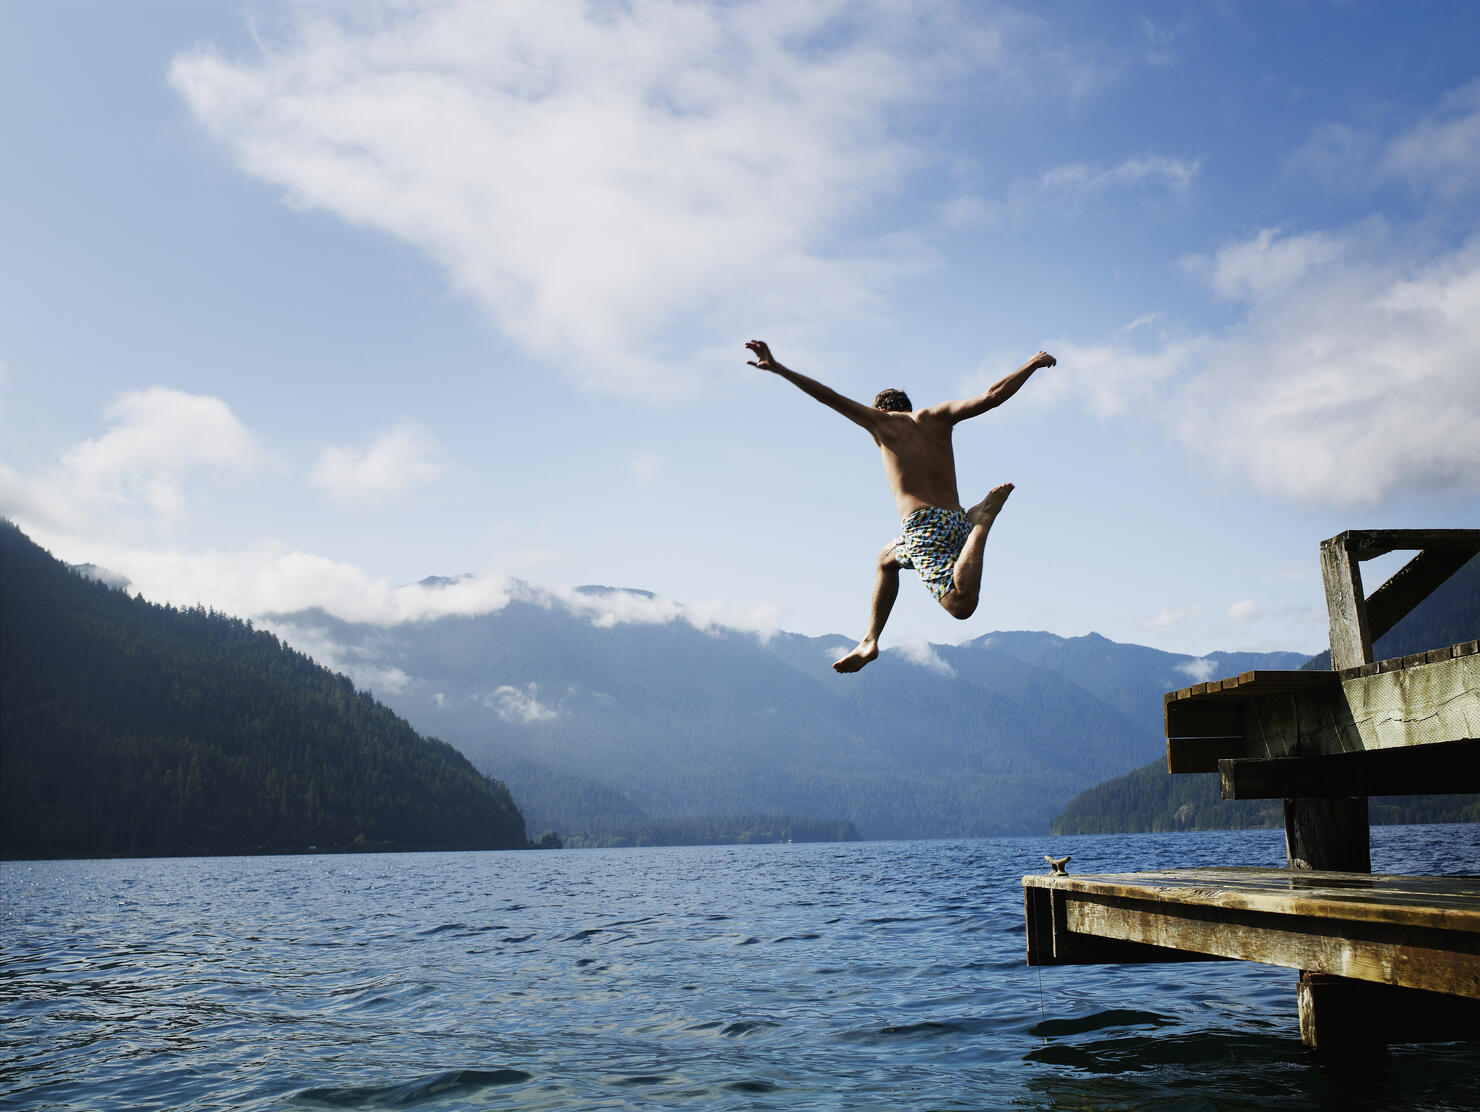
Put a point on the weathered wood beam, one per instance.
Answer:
(1050, 942)
(1338, 1013)
(1412, 583)
(1201, 754)
(1205, 718)
(1412, 959)
(1444, 767)
(1263, 681)
(1414, 932)
(1328, 834)
(1417, 702)
(1341, 571)
(1368, 544)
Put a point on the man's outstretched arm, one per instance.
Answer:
(966, 408)
(860, 414)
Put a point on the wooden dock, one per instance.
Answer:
(1415, 932)
(1381, 957)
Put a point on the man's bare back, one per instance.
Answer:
(920, 466)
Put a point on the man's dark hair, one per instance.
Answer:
(893, 401)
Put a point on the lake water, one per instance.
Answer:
(856, 976)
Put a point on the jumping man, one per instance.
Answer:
(939, 539)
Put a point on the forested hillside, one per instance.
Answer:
(128, 728)
(1151, 799)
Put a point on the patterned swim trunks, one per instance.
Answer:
(933, 538)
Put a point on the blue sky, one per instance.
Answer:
(300, 303)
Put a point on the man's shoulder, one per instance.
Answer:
(942, 413)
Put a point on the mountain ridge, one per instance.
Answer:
(665, 720)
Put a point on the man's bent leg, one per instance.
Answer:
(886, 589)
(961, 600)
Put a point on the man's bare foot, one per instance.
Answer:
(866, 651)
(985, 511)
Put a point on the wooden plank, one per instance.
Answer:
(1206, 717)
(1415, 932)
(1263, 681)
(1437, 769)
(1368, 544)
(1436, 902)
(1050, 942)
(1412, 959)
(1412, 583)
(1201, 754)
(1351, 642)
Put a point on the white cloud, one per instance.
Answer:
(1245, 610)
(1268, 265)
(1349, 385)
(592, 173)
(1130, 370)
(919, 651)
(1347, 378)
(1200, 670)
(1441, 153)
(1069, 188)
(513, 704)
(1174, 175)
(647, 464)
(270, 578)
(395, 460)
(1172, 617)
(157, 439)
(1348, 375)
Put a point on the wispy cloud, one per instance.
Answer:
(1200, 670)
(592, 173)
(1172, 616)
(1348, 374)
(647, 464)
(919, 651)
(1245, 610)
(1441, 153)
(521, 705)
(1349, 384)
(395, 460)
(1069, 189)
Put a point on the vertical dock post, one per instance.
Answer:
(1333, 833)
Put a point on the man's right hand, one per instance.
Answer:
(762, 354)
(1043, 359)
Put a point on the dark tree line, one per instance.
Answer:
(128, 728)
(707, 830)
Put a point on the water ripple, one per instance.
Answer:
(884, 975)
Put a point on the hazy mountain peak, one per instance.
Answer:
(600, 591)
(437, 581)
(105, 576)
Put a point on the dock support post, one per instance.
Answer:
(1335, 833)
